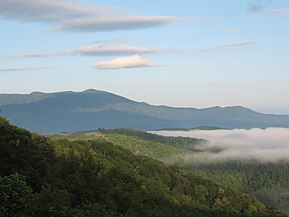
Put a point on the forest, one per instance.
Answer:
(42, 176)
(268, 181)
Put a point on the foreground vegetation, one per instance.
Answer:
(57, 177)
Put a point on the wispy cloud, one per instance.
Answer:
(277, 11)
(38, 55)
(26, 68)
(112, 23)
(73, 16)
(115, 48)
(227, 30)
(125, 62)
(228, 47)
(111, 48)
(257, 8)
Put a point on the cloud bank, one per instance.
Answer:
(73, 16)
(267, 145)
(125, 62)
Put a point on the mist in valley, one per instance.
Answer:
(265, 145)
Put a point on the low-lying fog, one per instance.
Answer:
(271, 144)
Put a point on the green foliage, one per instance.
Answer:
(51, 202)
(25, 153)
(268, 181)
(97, 178)
(140, 143)
(15, 195)
(155, 150)
(181, 142)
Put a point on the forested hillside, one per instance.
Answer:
(266, 180)
(45, 177)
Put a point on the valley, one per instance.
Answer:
(94, 177)
(265, 179)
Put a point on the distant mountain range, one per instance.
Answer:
(92, 109)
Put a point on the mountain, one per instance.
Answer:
(51, 177)
(91, 109)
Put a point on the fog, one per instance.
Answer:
(268, 145)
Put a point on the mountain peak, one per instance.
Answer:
(91, 91)
(239, 108)
(36, 93)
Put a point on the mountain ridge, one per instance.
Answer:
(91, 109)
(39, 93)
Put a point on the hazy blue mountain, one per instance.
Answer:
(91, 109)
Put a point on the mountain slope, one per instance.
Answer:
(97, 178)
(268, 181)
(92, 109)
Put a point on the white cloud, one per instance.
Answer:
(27, 68)
(271, 144)
(125, 62)
(228, 47)
(73, 16)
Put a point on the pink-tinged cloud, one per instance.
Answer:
(125, 62)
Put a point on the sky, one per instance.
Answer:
(183, 53)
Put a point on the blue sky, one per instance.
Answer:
(178, 53)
